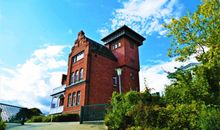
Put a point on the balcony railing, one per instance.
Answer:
(58, 90)
(56, 110)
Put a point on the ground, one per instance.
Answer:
(55, 126)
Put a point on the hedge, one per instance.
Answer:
(55, 118)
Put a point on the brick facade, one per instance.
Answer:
(91, 68)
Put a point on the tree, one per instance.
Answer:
(198, 34)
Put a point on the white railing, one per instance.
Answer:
(56, 110)
(58, 89)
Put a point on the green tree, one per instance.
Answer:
(197, 34)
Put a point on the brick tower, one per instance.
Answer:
(124, 44)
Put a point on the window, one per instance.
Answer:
(73, 98)
(81, 75)
(69, 100)
(132, 75)
(114, 81)
(78, 57)
(77, 76)
(72, 78)
(116, 45)
(78, 98)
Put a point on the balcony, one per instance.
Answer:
(56, 110)
(58, 90)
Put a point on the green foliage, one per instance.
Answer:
(2, 125)
(123, 107)
(210, 118)
(36, 119)
(55, 118)
(197, 34)
(66, 118)
(195, 31)
(47, 118)
(25, 114)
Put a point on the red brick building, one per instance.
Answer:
(91, 76)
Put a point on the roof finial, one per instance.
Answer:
(81, 35)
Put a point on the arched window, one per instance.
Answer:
(72, 78)
(77, 76)
(78, 99)
(73, 98)
(81, 74)
(69, 100)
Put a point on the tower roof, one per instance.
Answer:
(124, 31)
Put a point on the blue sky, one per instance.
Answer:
(36, 36)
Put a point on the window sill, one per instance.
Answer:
(76, 83)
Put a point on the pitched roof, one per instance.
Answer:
(101, 50)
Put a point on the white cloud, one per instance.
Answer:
(30, 84)
(156, 77)
(144, 16)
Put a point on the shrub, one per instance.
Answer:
(2, 125)
(210, 118)
(66, 118)
(46, 118)
(36, 119)
(123, 105)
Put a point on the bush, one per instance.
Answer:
(46, 118)
(55, 118)
(123, 105)
(140, 111)
(210, 118)
(66, 118)
(2, 125)
(36, 119)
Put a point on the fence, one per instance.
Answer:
(93, 113)
(12, 114)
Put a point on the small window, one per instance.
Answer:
(78, 99)
(73, 98)
(77, 76)
(114, 81)
(116, 45)
(119, 44)
(132, 75)
(72, 78)
(81, 74)
(69, 100)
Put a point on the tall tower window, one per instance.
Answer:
(114, 81)
(73, 98)
(72, 78)
(78, 99)
(77, 76)
(81, 74)
(69, 100)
